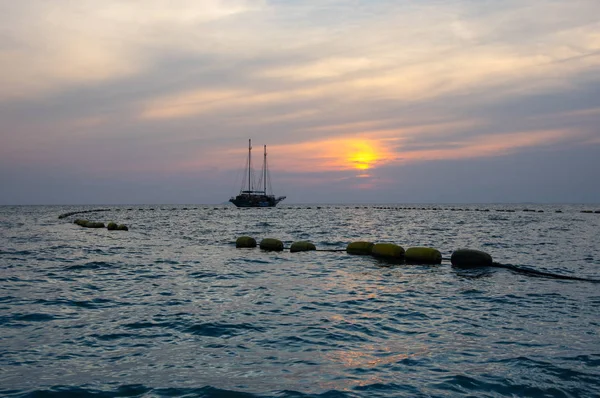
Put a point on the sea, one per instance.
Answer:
(172, 308)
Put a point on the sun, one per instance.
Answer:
(362, 156)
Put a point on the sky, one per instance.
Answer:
(431, 101)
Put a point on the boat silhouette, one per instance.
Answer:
(249, 196)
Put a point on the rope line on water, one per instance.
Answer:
(71, 213)
(541, 274)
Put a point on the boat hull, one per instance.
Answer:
(256, 200)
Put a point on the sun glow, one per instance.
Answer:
(359, 153)
(363, 156)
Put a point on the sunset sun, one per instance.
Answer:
(362, 156)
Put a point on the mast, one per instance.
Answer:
(265, 172)
(249, 163)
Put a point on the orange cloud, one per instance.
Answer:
(364, 153)
(202, 101)
(368, 151)
(489, 145)
(344, 153)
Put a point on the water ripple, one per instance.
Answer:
(171, 308)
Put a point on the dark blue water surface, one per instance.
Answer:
(172, 308)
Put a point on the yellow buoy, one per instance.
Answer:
(89, 224)
(95, 225)
(423, 255)
(271, 244)
(387, 250)
(359, 247)
(302, 246)
(245, 241)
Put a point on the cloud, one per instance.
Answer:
(341, 89)
(49, 46)
(490, 145)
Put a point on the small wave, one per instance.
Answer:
(17, 319)
(203, 274)
(256, 261)
(165, 261)
(325, 337)
(592, 360)
(210, 329)
(17, 252)
(469, 385)
(96, 251)
(7, 299)
(472, 291)
(146, 325)
(358, 330)
(90, 265)
(11, 279)
(94, 303)
(114, 336)
(222, 329)
(37, 317)
(382, 388)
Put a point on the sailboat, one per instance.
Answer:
(251, 197)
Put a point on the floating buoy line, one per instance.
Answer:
(390, 252)
(111, 226)
(525, 210)
(72, 213)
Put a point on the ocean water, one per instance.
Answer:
(172, 308)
